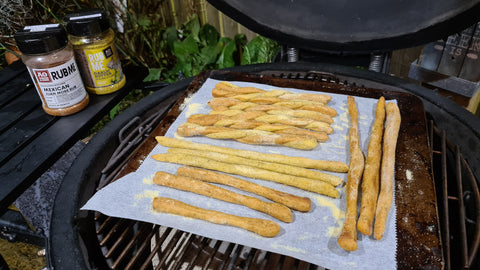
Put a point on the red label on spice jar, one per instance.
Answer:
(61, 86)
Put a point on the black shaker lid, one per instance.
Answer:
(87, 22)
(352, 27)
(37, 39)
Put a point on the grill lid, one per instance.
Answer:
(352, 27)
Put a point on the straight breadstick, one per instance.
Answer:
(275, 210)
(275, 167)
(252, 172)
(261, 227)
(370, 182)
(385, 198)
(302, 204)
(348, 237)
(326, 165)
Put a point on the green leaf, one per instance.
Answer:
(192, 28)
(144, 22)
(154, 74)
(260, 50)
(170, 36)
(208, 35)
(186, 47)
(225, 58)
(114, 111)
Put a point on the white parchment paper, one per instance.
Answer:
(311, 237)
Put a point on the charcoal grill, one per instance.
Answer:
(88, 240)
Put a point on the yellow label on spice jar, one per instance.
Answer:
(101, 68)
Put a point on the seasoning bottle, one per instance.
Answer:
(51, 63)
(92, 40)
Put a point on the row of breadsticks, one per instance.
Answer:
(205, 162)
(256, 116)
(375, 174)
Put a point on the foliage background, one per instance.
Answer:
(172, 38)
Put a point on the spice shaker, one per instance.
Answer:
(93, 44)
(51, 63)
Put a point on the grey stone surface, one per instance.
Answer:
(36, 203)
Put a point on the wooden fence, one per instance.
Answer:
(182, 10)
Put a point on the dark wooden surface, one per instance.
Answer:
(31, 140)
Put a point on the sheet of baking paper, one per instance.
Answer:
(311, 237)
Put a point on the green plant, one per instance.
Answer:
(195, 48)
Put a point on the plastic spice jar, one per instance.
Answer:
(92, 40)
(51, 63)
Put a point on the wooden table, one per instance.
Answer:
(31, 140)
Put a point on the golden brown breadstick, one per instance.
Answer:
(296, 122)
(261, 227)
(285, 129)
(370, 174)
(304, 114)
(275, 167)
(321, 98)
(222, 102)
(249, 136)
(319, 187)
(326, 165)
(348, 238)
(319, 108)
(189, 129)
(302, 204)
(385, 198)
(279, 211)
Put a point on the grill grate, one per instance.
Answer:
(459, 202)
(128, 244)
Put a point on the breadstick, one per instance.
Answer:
(222, 102)
(285, 129)
(321, 98)
(291, 105)
(297, 122)
(279, 211)
(302, 204)
(189, 129)
(275, 167)
(385, 198)
(372, 169)
(326, 165)
(319, 187)
(261, 227)
(348, 237)
(249, 136)
(304, 114)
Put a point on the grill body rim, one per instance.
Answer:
(66, 249)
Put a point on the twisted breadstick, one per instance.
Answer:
(250, 93)
(230, 117)
(249, 136)
(222, 104)
(348, 238)
(372, 169)
(296, 122)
